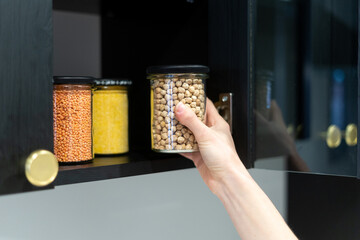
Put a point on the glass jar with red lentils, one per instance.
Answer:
(171, 84)
(72, 109)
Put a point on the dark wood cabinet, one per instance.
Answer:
(235, 39)
(25, 87)
(228, 36)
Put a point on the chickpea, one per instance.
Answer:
(198, 102)
(158, 137)
(167, 97)
(181, 96)
(180, 140)
(181, 90)
(168, 133)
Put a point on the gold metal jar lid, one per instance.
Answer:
(112, 82)
(41, 168)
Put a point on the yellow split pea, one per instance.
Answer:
(110, 120)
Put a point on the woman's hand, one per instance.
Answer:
(217, 157)
(252, 212)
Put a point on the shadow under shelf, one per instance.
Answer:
(131, 164)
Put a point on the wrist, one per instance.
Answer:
(236, 178)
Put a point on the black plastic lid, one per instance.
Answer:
(73, 80)
(177, 69)
(112, 82)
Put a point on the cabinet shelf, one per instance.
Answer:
(132, 164)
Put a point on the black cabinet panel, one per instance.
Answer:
(229, 61)
(25, 86)
(324, 207)
(306, 86)
(135, 37)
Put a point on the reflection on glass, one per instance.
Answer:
(305, 81)
(273, 139)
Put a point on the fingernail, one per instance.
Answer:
(180, 108)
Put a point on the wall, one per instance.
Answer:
(77, 44)
(170, 205)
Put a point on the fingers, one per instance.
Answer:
(213, 118)
(212, 115)
(188, 118)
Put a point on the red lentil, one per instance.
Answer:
(72, 122)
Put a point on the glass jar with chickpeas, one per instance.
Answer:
(171, 84)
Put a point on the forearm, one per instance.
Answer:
(252, 212)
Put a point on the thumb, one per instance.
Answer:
(188, 118)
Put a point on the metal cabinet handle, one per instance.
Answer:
(224, 107)
(332, 136)
(351, 135)
(41, 168)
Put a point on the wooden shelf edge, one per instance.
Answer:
(103, 168)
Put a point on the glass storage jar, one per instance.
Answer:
(72, 103)
(169, 85)
(110, 116)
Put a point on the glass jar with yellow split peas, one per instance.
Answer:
(170, 85)
(110, 116)
(72, 114)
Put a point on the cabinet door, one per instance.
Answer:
(306, 85)
(230, 65)
(25, 87)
